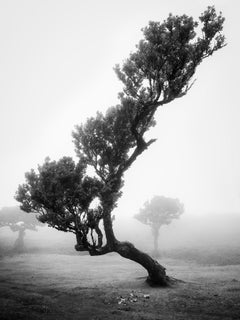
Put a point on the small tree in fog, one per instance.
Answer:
(18, 221)
(157, 212)
(159, 71)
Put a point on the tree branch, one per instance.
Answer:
(99, 251)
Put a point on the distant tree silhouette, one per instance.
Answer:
(159, 71)
(157, 212)
(18, 221)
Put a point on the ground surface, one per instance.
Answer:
(54, 286)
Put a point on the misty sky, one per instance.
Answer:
(56, 68)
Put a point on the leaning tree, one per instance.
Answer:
(159, 71)
(157, 212)
(18, 221)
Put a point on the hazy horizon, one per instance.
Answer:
(57, 64)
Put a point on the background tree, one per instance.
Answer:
(157, 212)
(159, 71)
(18, 221)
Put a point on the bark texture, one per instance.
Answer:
(156, 272)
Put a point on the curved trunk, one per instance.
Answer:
(156, 272)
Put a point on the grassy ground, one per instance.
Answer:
(54, 286)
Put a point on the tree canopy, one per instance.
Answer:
(159, 71)
(61, 193)
(157, 212)
(160, 210)
(17, 219)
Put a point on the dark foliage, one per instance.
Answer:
(159, 71)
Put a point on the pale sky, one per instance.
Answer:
(56, 68)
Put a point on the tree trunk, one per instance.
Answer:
(155, 232)
(156, 272)
(19, 243)
(108, 228)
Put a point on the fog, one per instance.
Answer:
(211, 234)
(213, 230)
(62, 72)
(56, 70)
